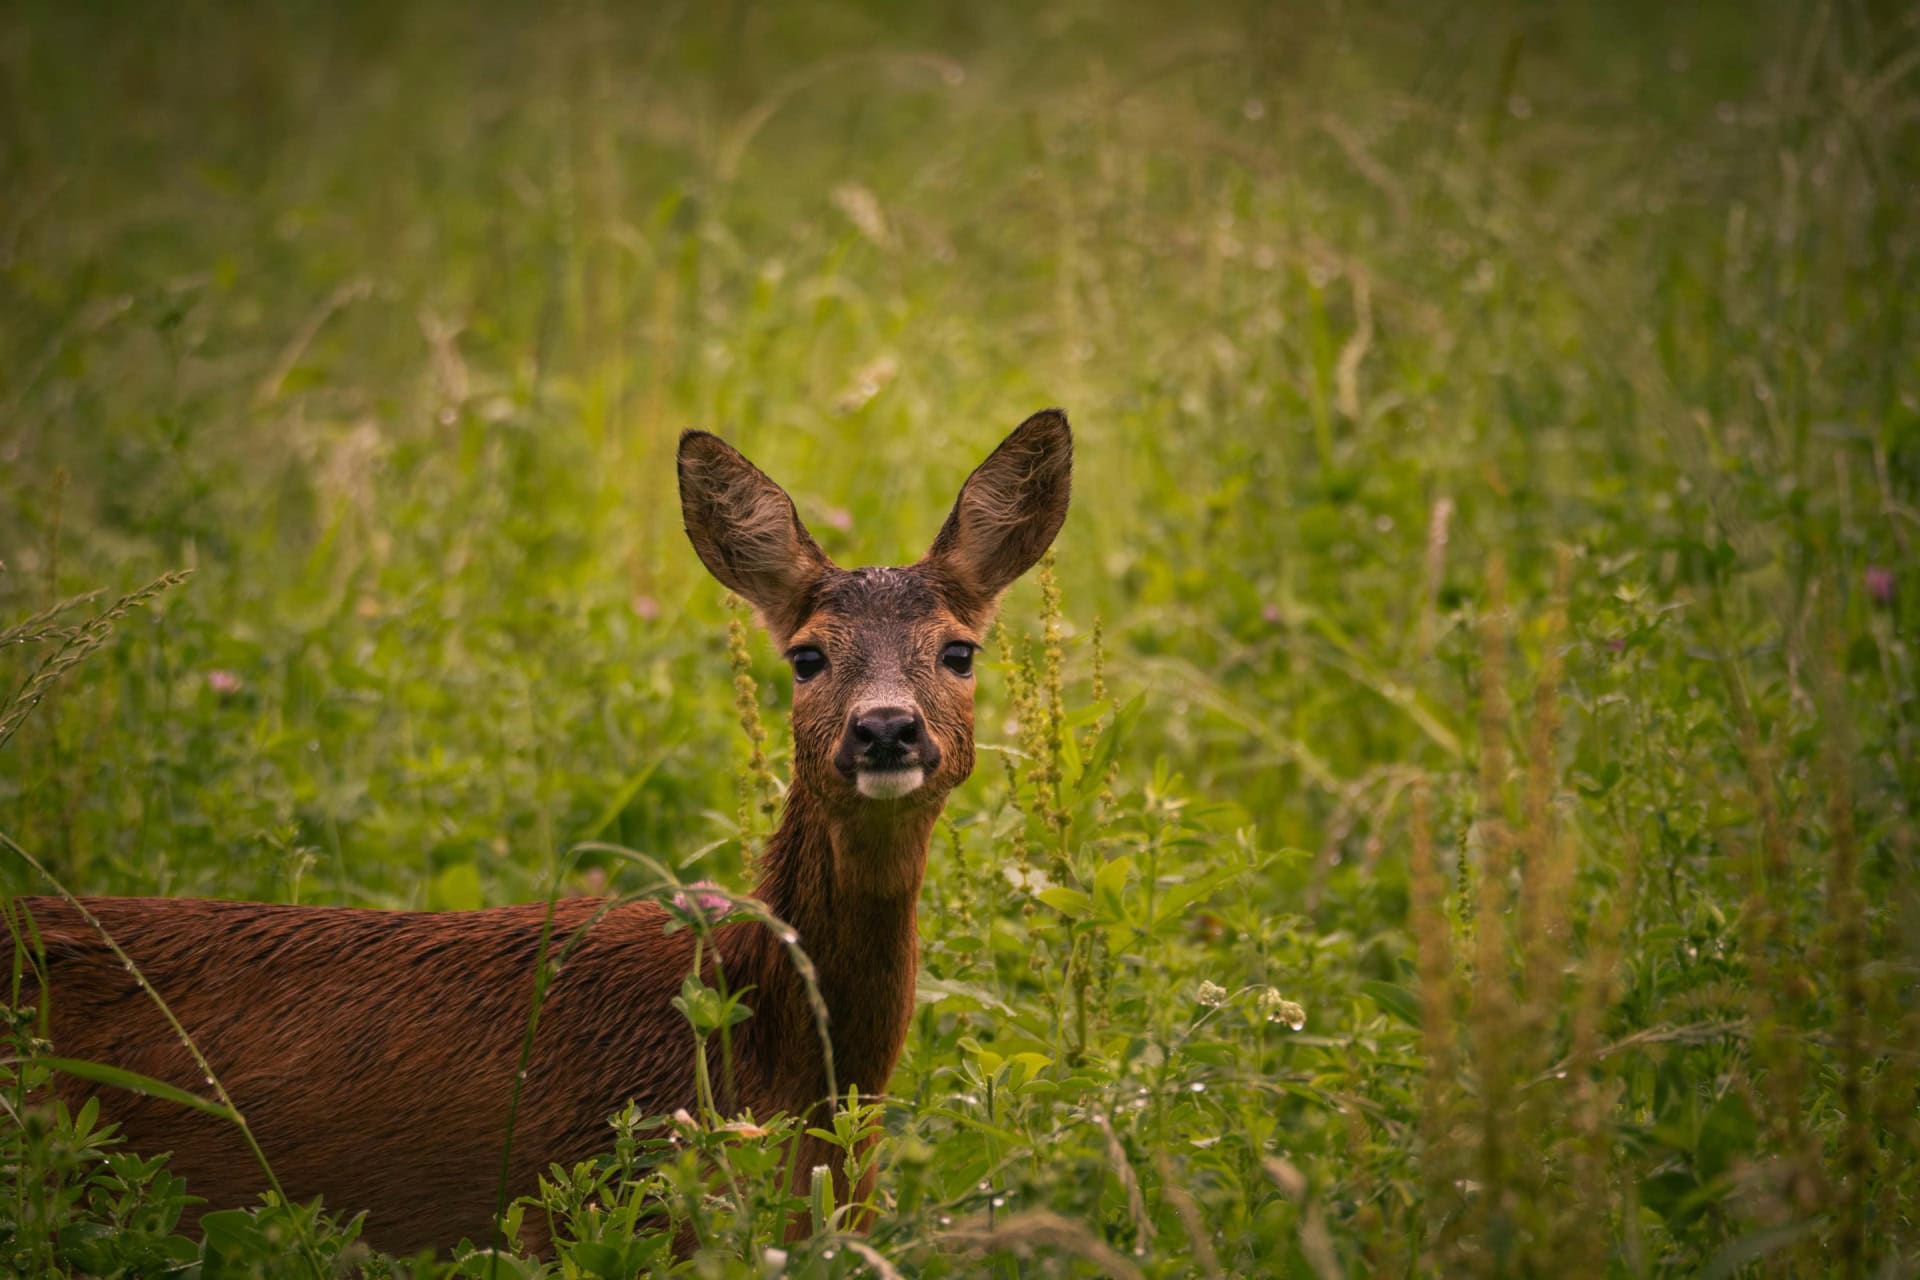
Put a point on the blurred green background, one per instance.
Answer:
(384, 318)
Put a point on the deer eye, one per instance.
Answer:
(958, 658)
(807, 661)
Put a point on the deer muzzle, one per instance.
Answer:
(886, 751)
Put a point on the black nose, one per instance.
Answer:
(887, 731)
(883, 739)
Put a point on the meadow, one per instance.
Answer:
(1447, 806)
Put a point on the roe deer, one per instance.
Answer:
(373, 1052)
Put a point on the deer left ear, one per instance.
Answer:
(746, 531)
(1009, 509)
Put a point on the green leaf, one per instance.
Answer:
(231, 1233)
(1396, 1000)
(1094, 772)
(134, 1082)
(1068, 901)
(932, 991)
(1666, 1193)
(822, 1198)
(1108, 881)
(1028, 1065)
(1172, 900)
(1070, 765)
(1081, 717)
(995, 1132)
(597, 1258)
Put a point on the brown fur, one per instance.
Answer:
(373, 1052)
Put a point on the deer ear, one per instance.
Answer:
(1009, 509)
(746, 531)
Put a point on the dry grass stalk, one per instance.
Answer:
(1315, 1244)
(1438, 1103)
(1584, 1239)
(1048, 774)
(758, 791)
(1198, 1238)
(75, 645)
(1434, 571)
(1544, 929)
(1492, 1014)
(1129, 1183)
(1847, 940)
(1548, 871)
(1775, 1006)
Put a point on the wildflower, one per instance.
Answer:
(1879, 583)
(1277, 1008)
(223, 682)
(692, 900)
(1211, 994)
(1272, 615)
(645, 607)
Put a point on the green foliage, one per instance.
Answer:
(1447, 807)
(77, 1204)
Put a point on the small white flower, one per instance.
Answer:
(1211, 994)
(1277, 1008)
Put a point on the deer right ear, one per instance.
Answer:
(746, 531)
(1009, 509)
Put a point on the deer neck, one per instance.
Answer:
(849, 883)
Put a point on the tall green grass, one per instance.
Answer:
(1499, 437)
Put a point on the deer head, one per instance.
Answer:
(882, 657)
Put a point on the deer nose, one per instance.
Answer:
(886, 730)
(885, 739)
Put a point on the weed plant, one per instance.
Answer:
(1448, 807)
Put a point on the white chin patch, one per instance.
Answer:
(890, 784)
